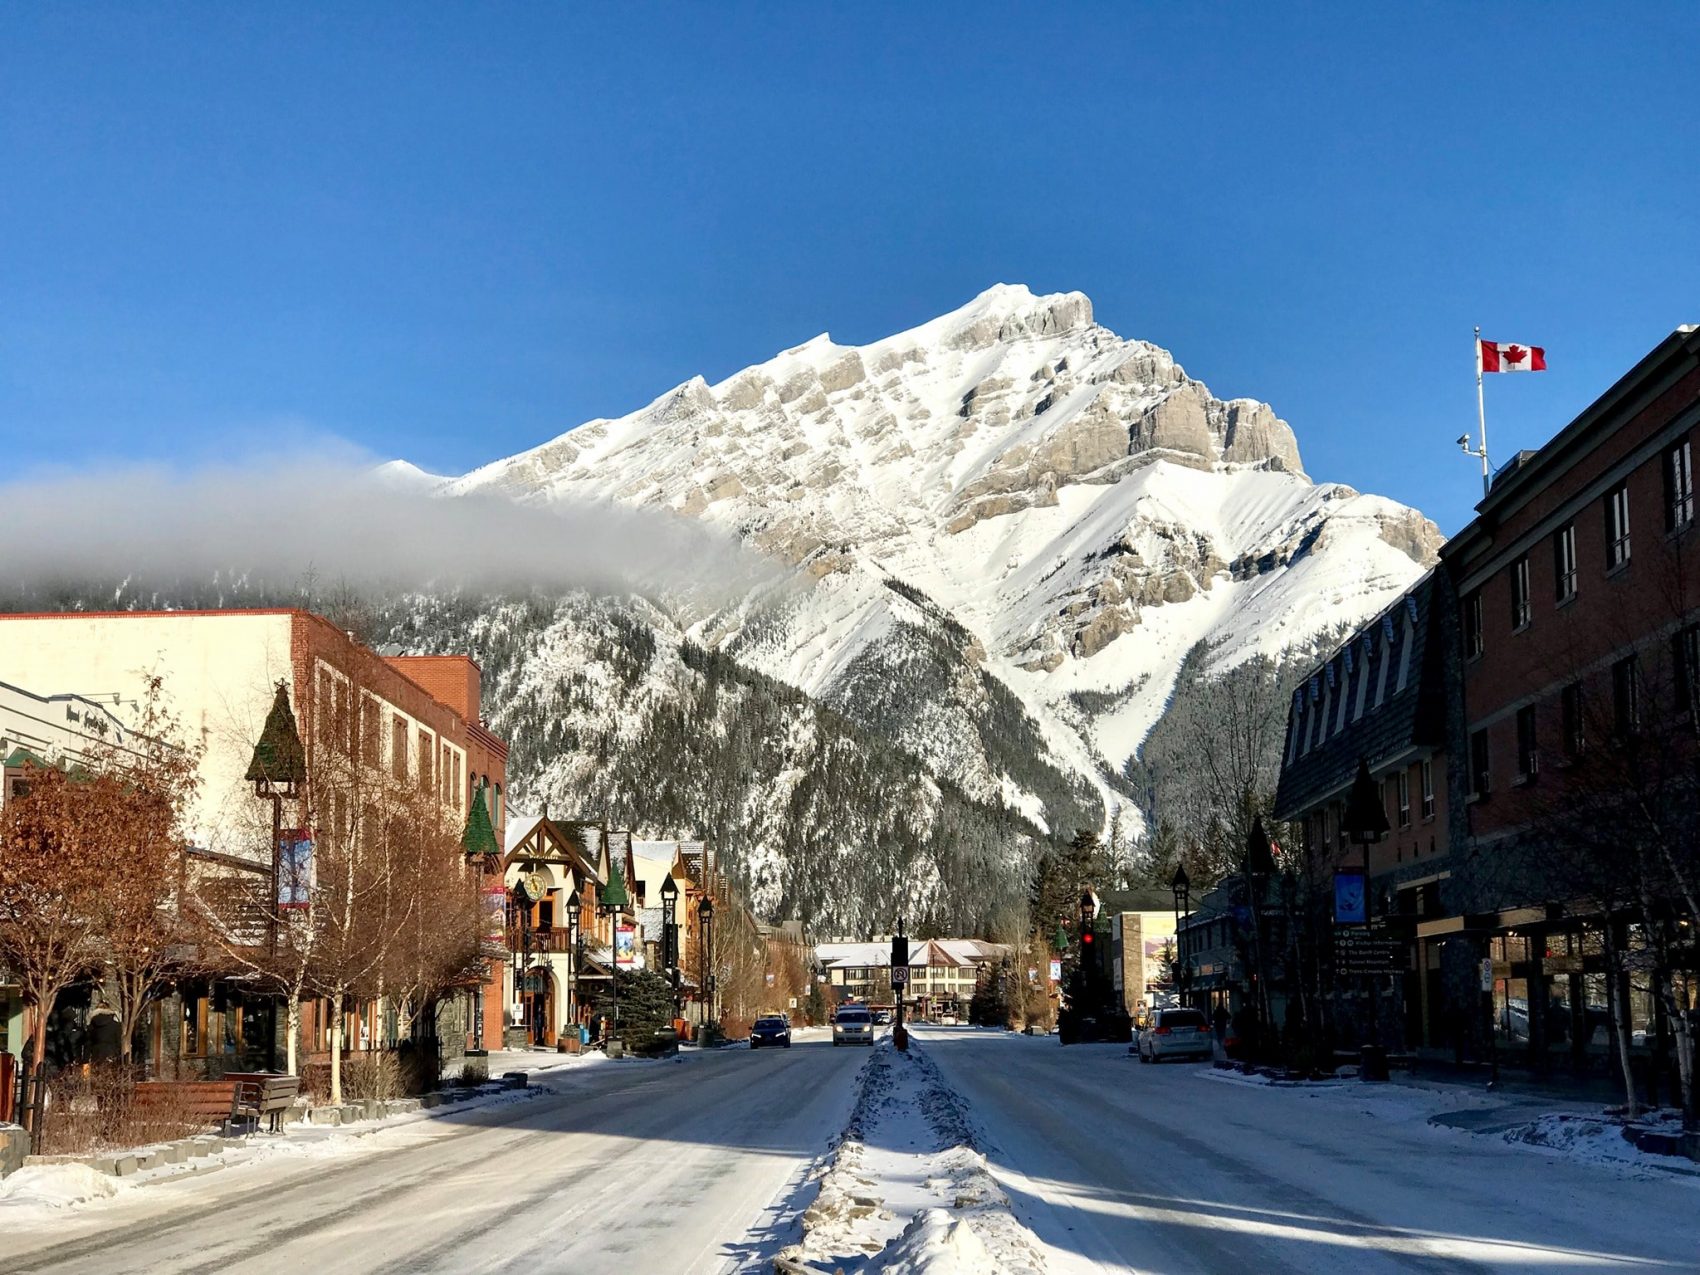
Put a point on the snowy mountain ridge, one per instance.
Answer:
(1007, 503)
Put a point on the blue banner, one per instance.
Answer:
(1350, 899)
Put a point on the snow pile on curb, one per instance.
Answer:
(1596, 1139)
(56, 1186)
(907, 1192)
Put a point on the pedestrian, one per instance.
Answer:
(1219, 1020)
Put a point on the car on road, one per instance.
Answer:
(1175, 1033)
(882, 1018)
(853, 1027)
(775, 1029)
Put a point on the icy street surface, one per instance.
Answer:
(1119, 1166)
(632, 1167)
(984, 1153)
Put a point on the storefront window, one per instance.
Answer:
(1511, 1010)
(1598, 1010)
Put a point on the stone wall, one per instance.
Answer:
(14, 1146)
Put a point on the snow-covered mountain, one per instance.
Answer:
(1013, 526)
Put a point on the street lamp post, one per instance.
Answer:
(575, 944)
(1365, 822)
(670, 935)
(705, 914)
(612, 901)
(278, 771)
(1181, 884)
(1259, 867)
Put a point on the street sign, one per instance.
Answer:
(899, 975)
(1363, 952)
(1487, 974)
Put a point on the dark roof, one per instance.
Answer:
(1410, 718)
(1150, 899)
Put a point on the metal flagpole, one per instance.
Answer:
(1481, 415)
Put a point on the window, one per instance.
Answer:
(1570, 707)
(1564, 562)
(1479, 764)
(1402, 790)
(1617, 526)
(427, 754)
(1679, 487)
(1473, 626)
(1626, 696)
(370, 739)
(1528, 756)
(324, 707)
(1520, 609)
(1428, 790)
(1685, 665)
(398, 746)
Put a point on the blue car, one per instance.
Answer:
(774, 1030)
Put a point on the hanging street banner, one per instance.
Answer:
(625, 946)
(294, 869)
(1350, 899)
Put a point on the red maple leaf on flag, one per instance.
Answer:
(1513, 354)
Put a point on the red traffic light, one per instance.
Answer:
(1086, 937)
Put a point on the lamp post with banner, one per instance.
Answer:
(278, 771)
(1365, 822)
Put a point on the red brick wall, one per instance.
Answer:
(1614, 612)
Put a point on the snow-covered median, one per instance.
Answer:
(907, 1191)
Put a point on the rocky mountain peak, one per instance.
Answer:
(1068, 506)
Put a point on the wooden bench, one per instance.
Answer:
(201, 1101)
(263, 1093)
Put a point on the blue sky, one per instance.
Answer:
(450, 232)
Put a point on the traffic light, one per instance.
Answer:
(900, 951)
(1086, 939)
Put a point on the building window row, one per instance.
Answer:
(1677, 466)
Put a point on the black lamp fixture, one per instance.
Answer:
(670, 935)
(575, 945)
(705, 914)
(1181, 885)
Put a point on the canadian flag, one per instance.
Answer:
(1497, 356)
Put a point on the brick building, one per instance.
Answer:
(1579, 587)
(415, 721)
(1518, 706)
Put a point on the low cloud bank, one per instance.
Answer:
(281, 523)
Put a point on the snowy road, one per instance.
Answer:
(1117, 1166)
(663, 1167)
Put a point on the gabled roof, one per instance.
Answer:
(1407, 719)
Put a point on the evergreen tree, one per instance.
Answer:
(646, 1004)
(989, 1006)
